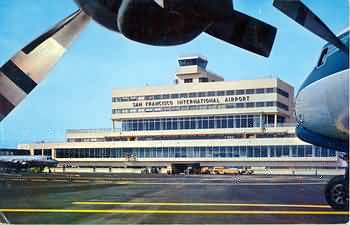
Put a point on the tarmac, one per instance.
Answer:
(157, 199)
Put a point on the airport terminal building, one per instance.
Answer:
(201, 119)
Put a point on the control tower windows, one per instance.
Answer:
(193, 61)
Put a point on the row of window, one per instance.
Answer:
(204, 122)
(182, 137)
(202, 94)
(199, 152)
(202, 107)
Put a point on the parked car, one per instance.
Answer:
(232, 171)
(247, 171)
(218, 170)
(205, 170)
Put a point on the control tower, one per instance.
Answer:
(192, 69)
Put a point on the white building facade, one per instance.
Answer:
(201, 119)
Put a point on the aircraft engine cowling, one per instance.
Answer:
(148, 22)
(104, 12)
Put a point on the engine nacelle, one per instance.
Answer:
(104, 12)
(149, 22)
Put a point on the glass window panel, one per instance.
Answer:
(250, 151)
(221, 93)
(235, 150)
(230, 122)
(196, 152)
(244, 121)
(301, 152)
(183, 152)
(269, 90)
(183, 95)
(250, 121)
(205, 123)
(187, 123)
(272, 151)
(278, 151)
(242, 151)
(209, 152)
(260, 104)
(257, 152)
(222, 152)
(211, 93)
(240, 92)
(229, 151)
(202, 94)
(285, 150)
(250, 91)
(216, 152)
(230, 92)
(317, 151)
(174, 95)
(224, 122)
(332, 152)
(211, 122)
(238, 121)
(147, 152)
(263, 151)
(259, 90)
(324, 152)
(308, 150)
(203, 152)
(250, 104)
(193, 95)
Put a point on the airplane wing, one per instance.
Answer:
(24, 71)
(245, 32)
(26, 161)
(11, 162)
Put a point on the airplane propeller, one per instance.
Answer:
(160, 23)
(28, 67)
(300, 13)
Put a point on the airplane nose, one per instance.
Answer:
(320, 106)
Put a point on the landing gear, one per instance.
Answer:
(337, 192)
(337, 189)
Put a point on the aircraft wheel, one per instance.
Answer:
(337, 195)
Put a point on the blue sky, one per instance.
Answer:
(77, 93)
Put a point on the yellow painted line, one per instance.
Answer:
(60, 181)
(233, 183)
(200, 204)
(39, 180)
(81, 181)
(124, 182)
(141, 211)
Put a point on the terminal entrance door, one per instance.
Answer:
(182, 167)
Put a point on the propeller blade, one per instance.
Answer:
(24, 71)
(245, 32)
(301, 14)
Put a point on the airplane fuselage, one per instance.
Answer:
(19, 161)
(322, 103)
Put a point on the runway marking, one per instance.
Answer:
(234, 182)
(80, 181)
(39, 180)
(141, 211)
(202, 204)
(124, 182)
